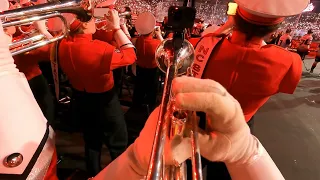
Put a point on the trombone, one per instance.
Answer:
(27, 15)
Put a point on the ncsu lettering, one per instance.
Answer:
(194, 72)
(203, 49)
(199, 57)
(196, 67)
(202, 54)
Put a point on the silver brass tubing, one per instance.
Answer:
(178, 121)
(196, 156)
(27, 40)
(21, 16)
(36, 45)
(174, 57)
(155, 166)
(73, 6)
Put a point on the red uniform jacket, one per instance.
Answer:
(252, 73)
(28, 63)
(103, 35)
(89, 63)
(146, 48)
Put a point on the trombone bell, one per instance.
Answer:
(165, 55)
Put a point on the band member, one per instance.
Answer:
(285, 40)
(246, 158)
(316, 61)
(305, 42)
(106, 35)
(88, 64)
(147, 81)
(278, 37)
(248, 73)
(27, 141)
(198, 28)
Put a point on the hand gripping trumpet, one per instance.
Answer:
(175, 57)
(99, 17)
(27, 15)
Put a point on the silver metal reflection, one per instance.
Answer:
(27, 15)
(173, 121)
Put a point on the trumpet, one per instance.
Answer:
(99, 19)
(175, 58)
(27, 15)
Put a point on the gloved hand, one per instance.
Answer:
(175, 151)
(113, 20)
(41, 26)
(227, 137)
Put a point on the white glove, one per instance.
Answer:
(41, 26)
(227, 137)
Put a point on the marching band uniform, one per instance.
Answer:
(103, 35)
(304, 46)
(107, 36)
(285, 40)
(147, 80)
(28, 64)
(316, 60)
(253, 72)
(27, 150)
(88, 64)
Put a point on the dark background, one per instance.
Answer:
(316, 3)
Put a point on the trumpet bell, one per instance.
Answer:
(165, 52)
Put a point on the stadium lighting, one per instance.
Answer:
(309, 8)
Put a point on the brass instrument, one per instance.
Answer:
(174, 60)
(26, 32)
(98, 20)
(30, 31)
(27, 15)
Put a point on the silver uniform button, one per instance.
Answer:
(13, 160)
